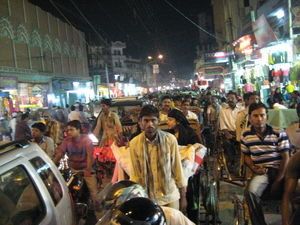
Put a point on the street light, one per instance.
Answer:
(155, 66)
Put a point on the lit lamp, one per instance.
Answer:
(155, 66)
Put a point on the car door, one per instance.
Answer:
(56, 188)
(23, 198)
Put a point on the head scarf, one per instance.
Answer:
(179, 116)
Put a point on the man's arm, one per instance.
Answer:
(118, 124)
(222, 115)
(58, 157)
(50, 147)
(283, 164)
(289, 189)
(255, 169)
(57, 133)
(90, 152)
(60, 152)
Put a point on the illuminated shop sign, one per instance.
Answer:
(244, 45)
(216, 57)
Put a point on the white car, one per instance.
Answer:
(32, 190)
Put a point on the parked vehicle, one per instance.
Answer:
(32, 189)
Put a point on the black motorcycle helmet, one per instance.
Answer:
(138, 211)
(121, 192)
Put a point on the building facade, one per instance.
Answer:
(261, 40)
(115, 74)
(40, 56)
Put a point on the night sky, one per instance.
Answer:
(148, 27)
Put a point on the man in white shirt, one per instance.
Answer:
(188, 114)
(74, 114)
(228, 116)
(12, 124)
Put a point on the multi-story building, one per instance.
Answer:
(100, 67)
(113, 72)
(118, 58)
(232, 20)
(229, 18)
(136, 71)
(259, 39)
(40, 56)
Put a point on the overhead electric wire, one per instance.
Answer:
(116, 25)
(195, 24)
(147, 11)
(68, 21)
(88, 22)
(139, 18)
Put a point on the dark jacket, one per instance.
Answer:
(23, 131)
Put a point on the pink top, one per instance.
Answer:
(248, 87)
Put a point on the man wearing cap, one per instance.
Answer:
(108, 125)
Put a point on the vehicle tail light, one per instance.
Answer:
(76, 188)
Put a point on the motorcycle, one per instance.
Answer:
(79, 193)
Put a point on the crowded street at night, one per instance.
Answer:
(161, 112)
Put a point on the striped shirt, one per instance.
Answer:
(266, 151)
(77, 149)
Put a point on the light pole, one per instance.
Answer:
(155, 67)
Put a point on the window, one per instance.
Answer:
(20, 202)
(50, 181)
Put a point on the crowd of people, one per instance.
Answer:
(240, 124)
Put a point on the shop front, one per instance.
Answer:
(82, 91)
(9, 101)
(33, 95)
(261, 69)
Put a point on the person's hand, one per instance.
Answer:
(182, 204)
(87, 173)
(228, 135)
(258, 170)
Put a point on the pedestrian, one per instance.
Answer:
(23, 131)
(79, 149)
(108, 125)
(38, 136)
(266, 151)
(53, 128)
(74, 114)
(156, 162)
(12, 124)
